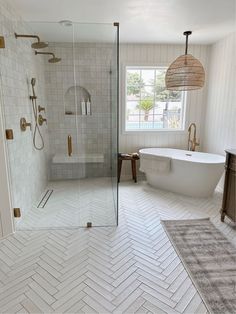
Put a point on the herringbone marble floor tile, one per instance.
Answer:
(129, 269)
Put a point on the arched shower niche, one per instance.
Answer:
(77, 101)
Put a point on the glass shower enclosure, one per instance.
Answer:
(76, 89)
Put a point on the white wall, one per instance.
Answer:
(220, 121)
(143, 54)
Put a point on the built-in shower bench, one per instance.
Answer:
(81, 158)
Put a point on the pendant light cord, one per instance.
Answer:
(186, 45)
(187, 33)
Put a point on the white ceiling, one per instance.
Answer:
(141, 21)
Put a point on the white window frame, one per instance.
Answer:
(123, 102)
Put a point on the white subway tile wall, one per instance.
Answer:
(18, 64)
(90, 69)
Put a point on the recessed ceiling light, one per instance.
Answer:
(66, 23)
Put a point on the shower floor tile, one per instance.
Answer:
(73, 203)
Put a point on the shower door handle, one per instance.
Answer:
(69, 144)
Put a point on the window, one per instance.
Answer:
(149, 106)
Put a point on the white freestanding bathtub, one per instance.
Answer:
(190, 173)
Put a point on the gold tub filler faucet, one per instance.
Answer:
(192, 143)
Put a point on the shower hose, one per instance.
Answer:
(36, 127)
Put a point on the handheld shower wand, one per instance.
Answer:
(33, 82)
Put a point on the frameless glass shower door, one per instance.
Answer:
(115, 119)
(77, 110)
(95, 72)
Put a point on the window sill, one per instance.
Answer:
(148, 132)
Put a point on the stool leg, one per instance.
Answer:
(134, 174)
(119, 168)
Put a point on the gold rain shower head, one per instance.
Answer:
(54, 59)
(37, 45)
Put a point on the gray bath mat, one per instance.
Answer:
(210, 260)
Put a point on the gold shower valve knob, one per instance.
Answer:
(24, 124)
(41, 120)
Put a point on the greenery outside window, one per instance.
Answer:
(149, 106)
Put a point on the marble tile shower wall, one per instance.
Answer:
(18, 64)
(91, 134)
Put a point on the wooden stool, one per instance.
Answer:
(132, 157)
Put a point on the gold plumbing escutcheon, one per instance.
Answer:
(192, 143)
(41, 120)
(24, 124)
(69, 144)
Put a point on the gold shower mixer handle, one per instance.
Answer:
(41, 108)
(41, 120)
(24, 124)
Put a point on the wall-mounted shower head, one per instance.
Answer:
(54, 59)
(38, 45)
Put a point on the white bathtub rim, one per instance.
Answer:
(196, 157)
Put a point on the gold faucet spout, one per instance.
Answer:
(192, 143)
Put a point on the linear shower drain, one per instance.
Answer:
(45, 199)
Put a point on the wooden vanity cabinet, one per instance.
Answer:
(229, 195)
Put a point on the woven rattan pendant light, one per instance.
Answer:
(186, 72)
